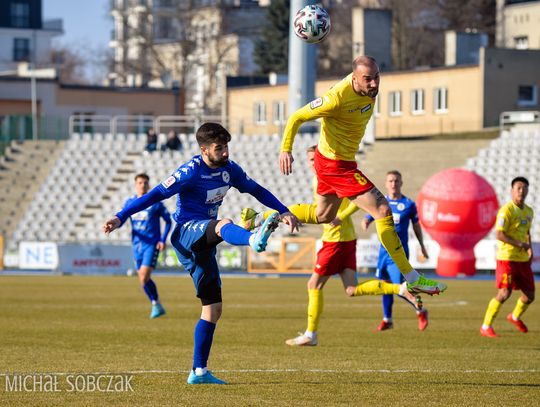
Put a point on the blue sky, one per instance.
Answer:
(85, 21)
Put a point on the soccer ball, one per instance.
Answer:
(312, 24)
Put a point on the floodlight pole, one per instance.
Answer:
(302, 64)
(33, 87)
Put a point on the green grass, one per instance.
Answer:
(100, 324)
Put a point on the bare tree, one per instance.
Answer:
(190, 45)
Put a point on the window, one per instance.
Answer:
(279, 112)
(377, 110)
(259, 113)
(527, 95)
(521, 42)
(417, 101)
(21, 49)
(20, 15)
(440, 100)
(394, 102)
(163, 28)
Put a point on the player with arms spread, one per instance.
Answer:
(344, 112)
(201, 185)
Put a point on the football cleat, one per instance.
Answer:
(426, 286)
(423, 320)
(258, 240)
(157, 311)
(302, 340)
(519, 323)
(385, 325)
(207, 378)
(488, 332)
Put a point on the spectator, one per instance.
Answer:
(151, 140)
(173, 142)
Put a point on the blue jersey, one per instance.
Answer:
(145, 226)
(403, 211)
(201, 189)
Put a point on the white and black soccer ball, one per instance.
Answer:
(312, 24)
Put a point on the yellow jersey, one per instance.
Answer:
(516, 224)
(344, 116)
(344, 232)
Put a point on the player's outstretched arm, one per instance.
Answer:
(111, 224)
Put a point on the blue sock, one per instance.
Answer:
(235, 235)
(387, 302)
(204, 334)
(151, 290)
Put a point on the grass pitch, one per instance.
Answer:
(97, 325)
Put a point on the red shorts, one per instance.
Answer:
(342, 178)
(516, 275)
(334, 257)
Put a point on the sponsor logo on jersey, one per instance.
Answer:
(143, 215)
(225, 176)
(397, 218)
(365, 108)
(216, 195)
(400, 206)
(169, 181)
(316, 103)
(206, 176)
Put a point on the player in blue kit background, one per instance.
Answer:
(404, 212)
(148, 241)
(201, 185)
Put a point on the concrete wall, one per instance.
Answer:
(504, 70)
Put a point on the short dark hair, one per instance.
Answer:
(142, 175)
(394, 172)
(311, 149)
(210, 133)
(520, 179)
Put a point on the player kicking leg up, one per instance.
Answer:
(201, 184)
(195, 243)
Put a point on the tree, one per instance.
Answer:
(272, 50)
(69, 63)
(188, 42)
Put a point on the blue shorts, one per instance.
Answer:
(197, 257)
(387, 269)
(145, 255)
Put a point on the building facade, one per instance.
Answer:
(24, 36)
(418, 102)
(518, 24)
(193, 45)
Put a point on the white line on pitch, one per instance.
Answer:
(143, 372)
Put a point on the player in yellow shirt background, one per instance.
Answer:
(336, 256)
(514, 256)
(344, 111)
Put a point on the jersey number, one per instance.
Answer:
(360, 179)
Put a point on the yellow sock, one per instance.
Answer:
(492, 310)
(315, 307)
(306, 213)
(390, 240)
(521, 307)
(376, 287)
